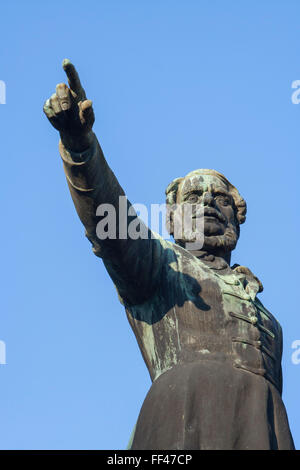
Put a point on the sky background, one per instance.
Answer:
(176, 86)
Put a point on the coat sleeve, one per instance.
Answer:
(133, 264)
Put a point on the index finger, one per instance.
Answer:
(73, 79)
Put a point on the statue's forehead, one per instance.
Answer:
(204, 182)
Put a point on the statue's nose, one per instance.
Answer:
(208, 199)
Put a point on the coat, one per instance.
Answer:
(212, 349)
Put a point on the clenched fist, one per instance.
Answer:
(70, 112)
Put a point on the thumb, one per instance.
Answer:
(86, 113)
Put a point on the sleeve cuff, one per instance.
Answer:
(75, 158)
(79, 167)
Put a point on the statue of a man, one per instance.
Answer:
(212, 349)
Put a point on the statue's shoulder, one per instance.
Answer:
(171, 249)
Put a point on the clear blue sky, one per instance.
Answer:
(176, 85)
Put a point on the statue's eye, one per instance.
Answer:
(192, 198)
(224, 200)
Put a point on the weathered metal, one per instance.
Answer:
(212, 349)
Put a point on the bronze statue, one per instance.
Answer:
(212, 349)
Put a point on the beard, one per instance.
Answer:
(224, 242)
(212, 243)
(209, 231)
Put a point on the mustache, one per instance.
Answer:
(211, 212)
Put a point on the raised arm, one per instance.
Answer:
(133, 265)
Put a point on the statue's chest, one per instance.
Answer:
(208, 293)
(197, 314)
(214, 302)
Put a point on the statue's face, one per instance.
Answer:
(219, 212)
(212, 193)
